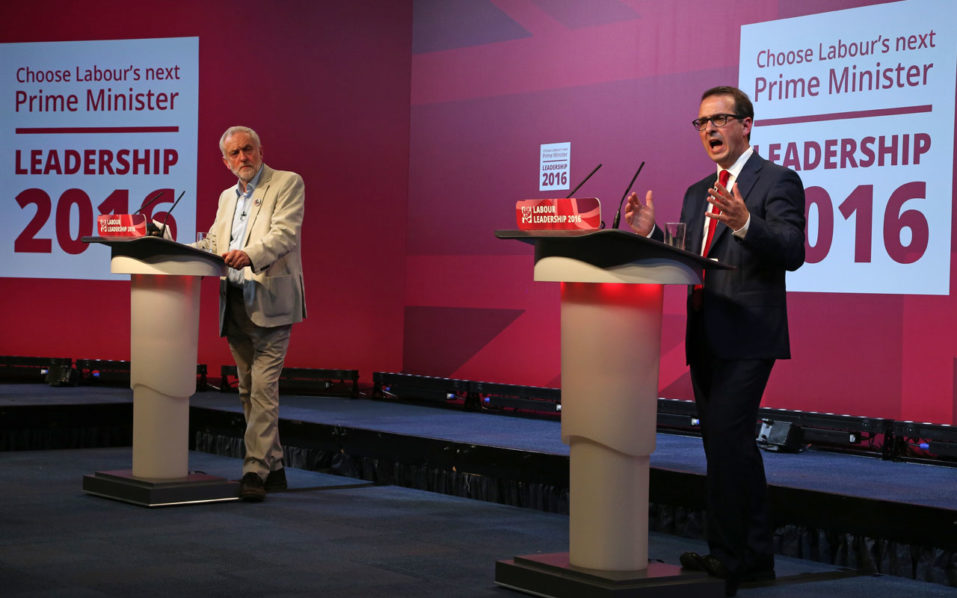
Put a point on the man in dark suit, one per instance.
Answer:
(750, 217)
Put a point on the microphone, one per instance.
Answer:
(149, 201)
(583, 181)
(170, 211)
(625, 194)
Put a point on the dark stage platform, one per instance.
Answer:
(840, 517)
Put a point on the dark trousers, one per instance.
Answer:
(727, 396)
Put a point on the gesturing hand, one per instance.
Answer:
(733, 211)
(640, 217)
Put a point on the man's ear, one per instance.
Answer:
(747, 123)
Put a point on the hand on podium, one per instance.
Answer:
(237, 258)
(155, 228)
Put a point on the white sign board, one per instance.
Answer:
(90, 128)
(860, 103)
(555, 163)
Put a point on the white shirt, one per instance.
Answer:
(240, 219)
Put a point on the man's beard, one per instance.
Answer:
(247, 175)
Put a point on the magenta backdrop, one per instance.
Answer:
(620, 80)
(416, 129)
(326, 85)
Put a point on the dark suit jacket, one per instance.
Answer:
(744, 312)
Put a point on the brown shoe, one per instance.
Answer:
(251, 488)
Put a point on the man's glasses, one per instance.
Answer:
(719, 120)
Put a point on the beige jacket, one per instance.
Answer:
(272, 287)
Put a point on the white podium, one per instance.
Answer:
(165, 281)
(611, 301)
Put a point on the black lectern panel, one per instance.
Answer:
(147, 248)
(606, 248)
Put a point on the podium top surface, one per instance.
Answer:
(155, 255)
(608, 248)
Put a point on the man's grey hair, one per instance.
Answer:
(232, 131)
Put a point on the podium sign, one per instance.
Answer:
(567, 213)
(121, 225)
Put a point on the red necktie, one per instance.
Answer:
(698, 291)
(723, 177)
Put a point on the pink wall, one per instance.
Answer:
(621, 81)
(413, 159)
(329, 95)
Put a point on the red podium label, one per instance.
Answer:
(558, 214)
(121, 225)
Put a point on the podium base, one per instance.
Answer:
(193, 489)
(551, 575)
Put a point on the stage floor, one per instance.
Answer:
(341, 536)
(326, 536)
